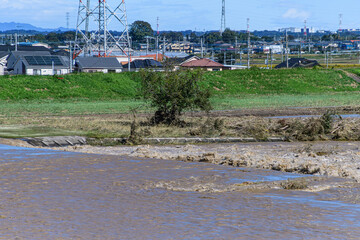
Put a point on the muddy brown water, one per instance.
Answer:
(47, 194)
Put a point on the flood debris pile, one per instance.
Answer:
(327, 127)
(336, 159)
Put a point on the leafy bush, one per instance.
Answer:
(171, 93)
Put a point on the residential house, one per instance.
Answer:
(178, 61)
(5, 51)
(298, 63)
(37, 63)
(157, 57)
(3, 61)
(136, 65)
(205, 64)
(98, 64)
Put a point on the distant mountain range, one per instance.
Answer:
(13, 26)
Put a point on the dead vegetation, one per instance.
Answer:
(327, 127)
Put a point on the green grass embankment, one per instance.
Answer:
(116, 93)
(91, 87)
(292, 81)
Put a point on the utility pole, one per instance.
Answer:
(70, 58)
(271, 58)
(326, 58)
(164, 45)
(129, 57)
(157, 39)
(16, 42)
(307, 37)
(224, 57)
(248, 43)
(287, 51)
(147, 46)
(282, 50)
(202, 48)
(236, 47)
(240, 57)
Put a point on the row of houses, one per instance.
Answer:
(41, 61)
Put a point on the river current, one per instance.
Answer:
(47, 194)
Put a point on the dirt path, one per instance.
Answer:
(352, 75)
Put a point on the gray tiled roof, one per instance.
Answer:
(9, 48)
(146, 63)
(30, 53)
(99, 63)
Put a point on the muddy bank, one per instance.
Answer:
(336, 159)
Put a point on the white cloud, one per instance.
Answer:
(294, 13)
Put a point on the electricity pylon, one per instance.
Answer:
(102, 28)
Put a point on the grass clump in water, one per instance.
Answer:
(297, 184)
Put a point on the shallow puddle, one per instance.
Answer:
(59, 195)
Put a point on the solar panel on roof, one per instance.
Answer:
(43, 60)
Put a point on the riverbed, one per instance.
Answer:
(48, 194)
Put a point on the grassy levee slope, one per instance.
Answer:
(282, 88)
(292, 81)
(116, 93)
(92, 87)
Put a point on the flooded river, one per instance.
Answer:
(47, 194)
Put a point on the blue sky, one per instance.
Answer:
(197, 14)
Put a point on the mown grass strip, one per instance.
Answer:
(82, 107)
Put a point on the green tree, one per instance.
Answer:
(212, 37)
(173, 36)
(173, 92)
(229, 36)
(194, 38)
(139, 30)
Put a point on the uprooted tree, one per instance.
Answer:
(173, 92)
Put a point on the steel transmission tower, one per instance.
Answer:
(102, 28)
(223, 18)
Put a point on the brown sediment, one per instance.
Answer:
(336, 159)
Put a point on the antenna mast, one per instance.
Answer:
(340, 22)
(93, 34)
(223, 18)
(67, 20)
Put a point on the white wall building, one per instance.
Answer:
(36, 63)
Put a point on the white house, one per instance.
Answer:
(37, 63)
(3, 61)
